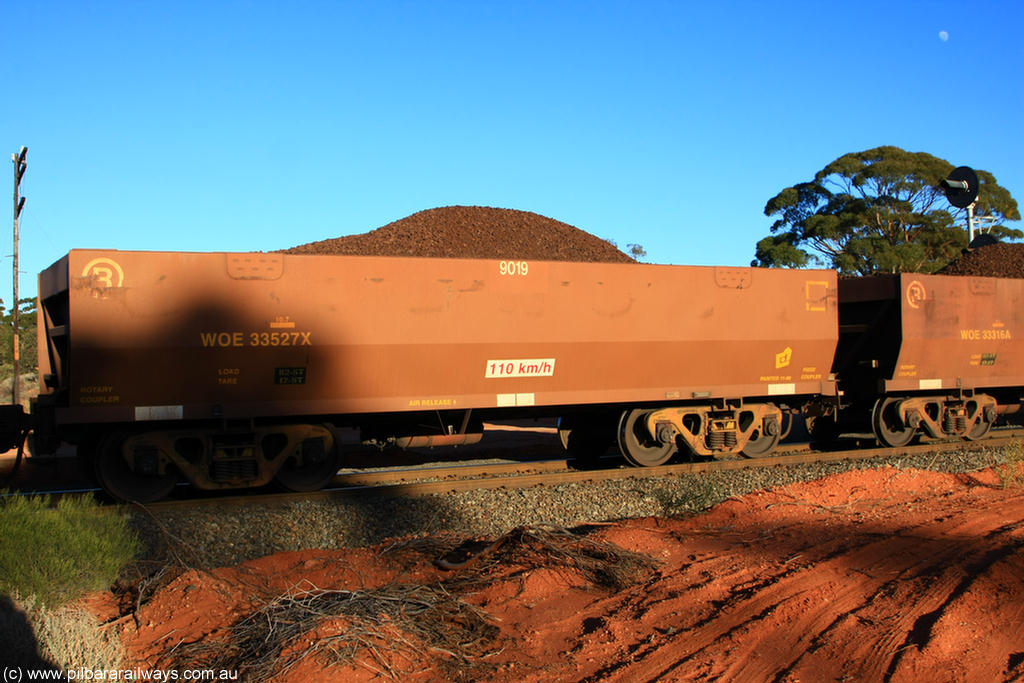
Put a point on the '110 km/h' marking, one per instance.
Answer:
(523, 367)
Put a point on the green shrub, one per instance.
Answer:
(57, 552)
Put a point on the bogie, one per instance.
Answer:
(145, 466)
(897, 420)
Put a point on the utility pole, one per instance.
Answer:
(19, 203)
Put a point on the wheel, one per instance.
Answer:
(320, 462)
(763, 441)
(637, 446)
(123, 483)
(982, 427)
(888, 425)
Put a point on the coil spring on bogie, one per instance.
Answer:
(953, 423)
(722, 439)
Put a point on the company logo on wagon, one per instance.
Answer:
(916, 294)
(104, 272)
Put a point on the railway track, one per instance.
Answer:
(422, 481)
(446, 478)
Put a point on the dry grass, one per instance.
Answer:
(532, 547)
(397, 628)
(1011, 471)
(52, 552)
(67, 637)
(526, 548)
(386, 630)
(392, 630)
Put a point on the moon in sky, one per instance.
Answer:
(943, 36)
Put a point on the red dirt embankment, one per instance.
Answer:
(878, 576)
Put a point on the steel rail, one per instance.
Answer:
(441, 480)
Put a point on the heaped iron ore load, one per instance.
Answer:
(474, 232)
(993, 260)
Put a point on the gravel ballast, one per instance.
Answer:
(218, 535)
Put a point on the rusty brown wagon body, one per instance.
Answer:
(233, 367)
(934, 353)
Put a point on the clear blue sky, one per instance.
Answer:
(261, 125)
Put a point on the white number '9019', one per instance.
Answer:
(513, 267)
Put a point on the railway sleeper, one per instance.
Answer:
(145, 466)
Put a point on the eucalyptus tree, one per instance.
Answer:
(880, 210)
